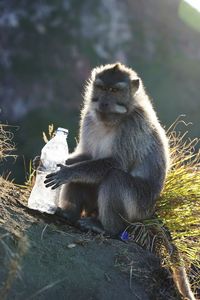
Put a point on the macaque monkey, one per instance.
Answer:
(119, 166)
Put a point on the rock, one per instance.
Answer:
(42, 258)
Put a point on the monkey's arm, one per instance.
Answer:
(76, 158)
(86, 172)
(73, 158)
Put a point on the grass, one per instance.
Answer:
(12, 258)
(6, 150)
(179, 206)
(6, 144)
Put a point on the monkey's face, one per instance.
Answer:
(108, 100)
(112, 95)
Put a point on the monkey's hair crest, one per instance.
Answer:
(116, 67)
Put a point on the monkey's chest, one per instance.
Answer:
(101, 143)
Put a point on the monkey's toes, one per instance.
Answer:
(90, 224)
(62, 214)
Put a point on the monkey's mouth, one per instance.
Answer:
(103, 111)
(106, 116)
(117, 109)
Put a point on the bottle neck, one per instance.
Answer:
(61, 135)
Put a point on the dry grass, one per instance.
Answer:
(6, 149)
(8, 190)
(6, 187)
(179, 206)
(6, 144)
(50, 134)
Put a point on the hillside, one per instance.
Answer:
(42, 258)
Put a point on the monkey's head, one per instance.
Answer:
(111, 92)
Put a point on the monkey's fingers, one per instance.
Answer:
(51, 183)
(60, 166)
(48, 180)
(51, 175)
(56, 185)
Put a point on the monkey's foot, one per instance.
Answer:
(90, 224)
(65, 216)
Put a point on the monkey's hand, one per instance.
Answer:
(58, 178)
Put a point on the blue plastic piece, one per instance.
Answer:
(124, 236)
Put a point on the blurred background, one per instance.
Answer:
(48, 48)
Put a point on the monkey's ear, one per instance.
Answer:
(116, 66)
(135, 84)
(98, 82)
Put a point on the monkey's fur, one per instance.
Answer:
(119, 166)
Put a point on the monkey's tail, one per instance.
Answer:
(179, 274)
(182, 282)
(178, 269)
(177, 266)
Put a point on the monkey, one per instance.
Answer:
(119, 166)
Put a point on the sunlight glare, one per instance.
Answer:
(194, 3)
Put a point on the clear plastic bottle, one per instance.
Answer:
(53, 153)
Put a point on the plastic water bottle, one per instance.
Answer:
(53, 153)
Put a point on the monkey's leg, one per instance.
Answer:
(122, 199)
(76, 197)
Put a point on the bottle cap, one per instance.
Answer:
(64, 130)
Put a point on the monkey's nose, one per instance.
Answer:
(103, 106)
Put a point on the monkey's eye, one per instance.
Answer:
(100, 87)
(103, 88)
(113, 90)
(120, 104)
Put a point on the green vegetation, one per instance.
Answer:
(179, 206)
